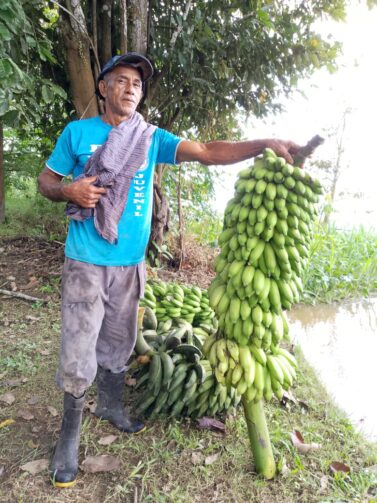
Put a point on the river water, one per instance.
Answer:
(340, 343)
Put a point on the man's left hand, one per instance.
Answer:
(284, 148)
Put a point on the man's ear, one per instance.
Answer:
(102, 88)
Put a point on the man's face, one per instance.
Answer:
(122, 90)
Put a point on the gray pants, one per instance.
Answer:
(99, 321)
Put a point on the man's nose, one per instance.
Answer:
(130, 88)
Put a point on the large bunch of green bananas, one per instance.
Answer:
(264, 249)
(177, 380)
(174, 301)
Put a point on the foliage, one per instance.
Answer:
(342, 264)
(26, 52)
(231, 57)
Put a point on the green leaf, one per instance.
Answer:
(47, 94)
(5, 34)
(10, 118)
(4, 107)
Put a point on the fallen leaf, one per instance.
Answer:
(211, 423)
(13, 286)
(6, 422)
(131, 381)
(7, 398)
(324, 482)
(25, 414)
(107, 440)
(283, 467)
(209, 460)
(44, 352)
(91, 405)
(301, 446)
(2, 470)
(337, 466)
(52, 410)
(11, 278)
(32, 284)
(30, 317)
(197, 458)
(33, 400)
(36, 429)
(32, 445)
(36, 466)
(102, 463)
(288, 397)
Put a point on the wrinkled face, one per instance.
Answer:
(122, 90)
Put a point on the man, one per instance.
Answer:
(103, 275)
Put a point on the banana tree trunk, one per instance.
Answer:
(259, 438)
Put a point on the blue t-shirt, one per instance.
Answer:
(73, 148)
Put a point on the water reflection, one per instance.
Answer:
(340, 343)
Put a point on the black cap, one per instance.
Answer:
(133, 59)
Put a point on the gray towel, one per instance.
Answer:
(115, 163)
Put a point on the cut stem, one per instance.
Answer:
(259, 438)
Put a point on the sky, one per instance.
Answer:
(326, 97)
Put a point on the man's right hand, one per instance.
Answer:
(83, 193)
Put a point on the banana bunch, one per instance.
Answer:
(206, 313)
(173, 301)
(149, 299)
(178, 382)
(250, 369)
(264, 250)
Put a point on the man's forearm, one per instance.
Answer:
(54, 190)
(226, 152)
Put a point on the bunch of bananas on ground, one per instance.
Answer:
(174, 378)
(173, 301)
(264, 249)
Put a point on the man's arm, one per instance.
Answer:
(227, 152)
(81, 192)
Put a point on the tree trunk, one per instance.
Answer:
(95, 34)
(2, 177)
(338, 164)
(105, 31)
(259, 438)
(138, 25)
(160, 215)
(76, 43)
(123, 26)
(180, 219)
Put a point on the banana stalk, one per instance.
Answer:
(259, 437)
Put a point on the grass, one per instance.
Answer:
(160, 465)
(342, 264)
(32, 215)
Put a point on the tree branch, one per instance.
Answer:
(22, 296)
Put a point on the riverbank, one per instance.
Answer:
(174, 461)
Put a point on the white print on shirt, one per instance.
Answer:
(94, 147)
(139, 195)
(144, 166)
